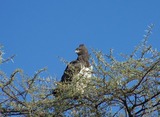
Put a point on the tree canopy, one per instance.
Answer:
(128, 87)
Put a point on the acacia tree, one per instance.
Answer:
(129, 87)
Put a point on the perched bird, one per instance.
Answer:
(78, 70)
(74, 67)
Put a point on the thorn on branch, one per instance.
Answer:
(12, 77)
(8, 59)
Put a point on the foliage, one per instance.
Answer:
(126, 88)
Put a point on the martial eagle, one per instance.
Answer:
(78, 70)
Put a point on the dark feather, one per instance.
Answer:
(71, 70)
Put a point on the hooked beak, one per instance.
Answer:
(77, 51)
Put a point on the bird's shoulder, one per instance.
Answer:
(75, 64)
(73, 68)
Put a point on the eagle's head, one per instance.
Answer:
(81, 50)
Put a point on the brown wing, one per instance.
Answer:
(72, 69)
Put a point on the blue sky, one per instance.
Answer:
(38, 31)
